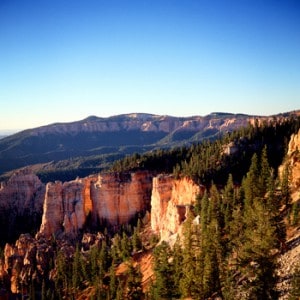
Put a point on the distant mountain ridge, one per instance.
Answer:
(117, 135)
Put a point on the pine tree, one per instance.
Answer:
(136, 240)
(251, 184)
(212, 253)
(187, 281)
(255, 257)
(285, 185)
(134, 283)
(112, 282)
(229, 194)
(265, 172)
(204, 217)
(295, 213)
(214, 208)
(163, 272)
(77, 271)
(125, 247)
(177, 263)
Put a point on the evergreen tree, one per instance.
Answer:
(177, 263)
(295, 213)
(255, 257)
(125, 247)
(136, 240)
(77, 269)
(204, 217)
(134, 283)
(214, 209)
(112, 282)
(285, 185)
(212, 260)
(190, 283)
(163, 272)
(265, 172)
(229, 195)
(251, 183)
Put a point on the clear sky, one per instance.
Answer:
(63, 60)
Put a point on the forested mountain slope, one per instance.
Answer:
(88, 145)
(226, 218)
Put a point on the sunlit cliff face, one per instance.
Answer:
(170, 201)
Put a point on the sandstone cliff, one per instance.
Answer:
(294, 156)
(293, 160)
(170, 202)
(289, 259)
(112, 198)
(64, 208)
(23, 192)
(21, 205)
(117, 198)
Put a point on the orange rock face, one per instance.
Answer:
(170, 202)
(111, 198)
(23, 192)
(117, 198)
(294, 144)
(64, 209)
(293, 156)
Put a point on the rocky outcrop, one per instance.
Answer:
(21, 204)
(294, 143)
(118, 197)
(22, 193)
(66, 206)
(293, 160)
(289, 259)
(111, 198)
(294, 157)
(27, 257)
(170, 201)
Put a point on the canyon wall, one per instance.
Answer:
(118, 197)
(23, 193)
(294, 154)
(64, 208)
(112, 199)
(170, 201)
(293, 160)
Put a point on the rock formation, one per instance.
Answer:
(293, 159)
(111, 198)
(64, 208)
(294, 144)
(22, 193)
(294, 152)
(170, 202)
(117, 198)
(21, 204)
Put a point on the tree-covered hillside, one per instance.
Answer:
(214, 160)
(231, 237)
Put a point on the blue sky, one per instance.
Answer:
(63, 60)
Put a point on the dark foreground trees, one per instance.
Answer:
(231, 252)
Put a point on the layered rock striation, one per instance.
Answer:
(170, 202)
(21, 205)
(118, 197)
(63, 208)
(111, 199)
(293, 161)
(22, 193)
